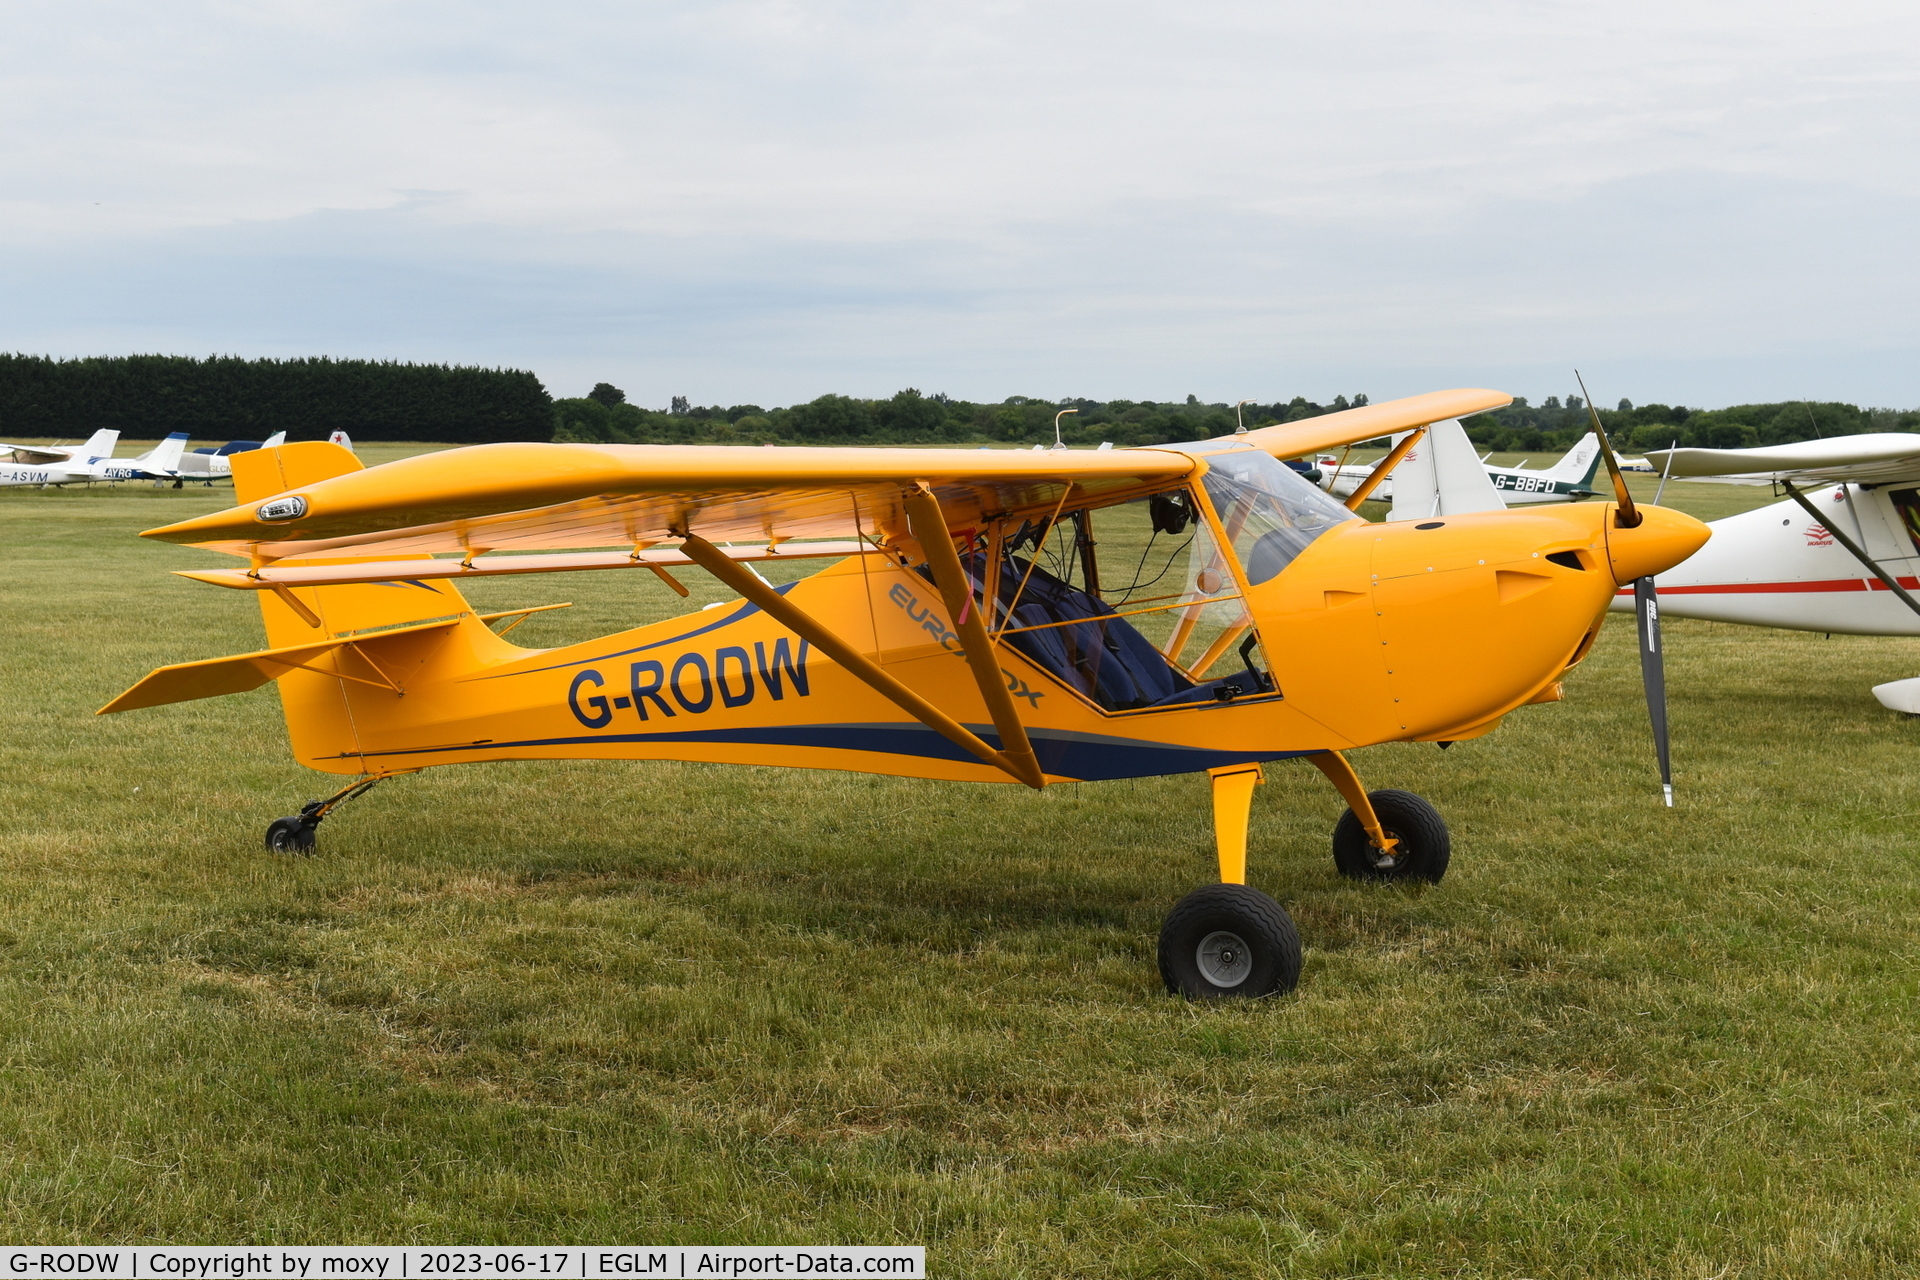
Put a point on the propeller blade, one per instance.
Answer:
(1628, 515)
(1653, 675)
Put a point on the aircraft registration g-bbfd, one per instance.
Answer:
(969, 626)
(1568, 480)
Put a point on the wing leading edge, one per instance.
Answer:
(545, 497)
(1873, 458)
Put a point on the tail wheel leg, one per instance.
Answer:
(295, 835)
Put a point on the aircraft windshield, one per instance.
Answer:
(1270, 513)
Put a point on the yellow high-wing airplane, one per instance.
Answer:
(988, 616)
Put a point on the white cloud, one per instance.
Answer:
(767, 200)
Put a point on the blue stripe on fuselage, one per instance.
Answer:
(1090, 757)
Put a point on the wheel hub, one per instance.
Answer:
(1224, 959)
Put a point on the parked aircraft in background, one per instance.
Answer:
(1568, 480)
(338, 437)
(212, 464)
(99, 445)
(82, 464)
(1842, 553)
(34, 464)
(161, 463)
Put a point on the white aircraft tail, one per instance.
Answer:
(274, 441)
(340, 438)
(164, 458)
(1442, 476)
(100, 444)
(1580, 464)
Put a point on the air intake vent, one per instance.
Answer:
(1568, 559)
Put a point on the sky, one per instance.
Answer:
(766, 200)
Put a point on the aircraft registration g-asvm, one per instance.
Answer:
(967, 626)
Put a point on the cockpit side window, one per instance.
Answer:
(1269, 513)
(1134, 605)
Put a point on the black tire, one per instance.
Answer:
(1423, 850)
(1227, 940)
(289, 835)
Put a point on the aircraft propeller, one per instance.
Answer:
(1646, 608)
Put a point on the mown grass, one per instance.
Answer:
(570, 1002)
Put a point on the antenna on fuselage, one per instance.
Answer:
(1058, 443)
(1239, 427)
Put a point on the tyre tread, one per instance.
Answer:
(1207, 906)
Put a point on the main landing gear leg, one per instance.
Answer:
(1228, 939)
(1384, 835)
(295, 835)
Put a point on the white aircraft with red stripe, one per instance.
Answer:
(1840, 554)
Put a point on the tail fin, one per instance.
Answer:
(342, 439)
(164, 458)
(1442, 477)
(1580, 464)
(274, 441)
(422, 614)
(100, 444)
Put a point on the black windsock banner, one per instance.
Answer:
(1653, 675)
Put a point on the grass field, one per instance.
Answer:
(570, 1002)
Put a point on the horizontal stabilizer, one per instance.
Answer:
(212, 677)
(186, 681)
(333, 575)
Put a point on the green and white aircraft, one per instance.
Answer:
(1568, 480)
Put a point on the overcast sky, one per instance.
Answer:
(1701, 203)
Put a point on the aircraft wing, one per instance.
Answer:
(1876, 458)
(33, 454)
(523, 497)
(1351, 426)
(546, 497)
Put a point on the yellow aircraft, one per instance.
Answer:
(987, 616)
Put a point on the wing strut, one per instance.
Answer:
(720, 565)
(930, 528)
(1384, 468)
(1859, 552)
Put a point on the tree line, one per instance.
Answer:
(226, 397)
(1553, 425)
(909, 417)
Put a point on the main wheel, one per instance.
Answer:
(1421, 854)
(1229, 940)
(289, 835)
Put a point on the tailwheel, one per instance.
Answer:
(1422, 845)
(1229, 940)
(289, 835)
(295, 835)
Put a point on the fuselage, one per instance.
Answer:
(22, 473)
(1776, 567)
(1373, 633)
